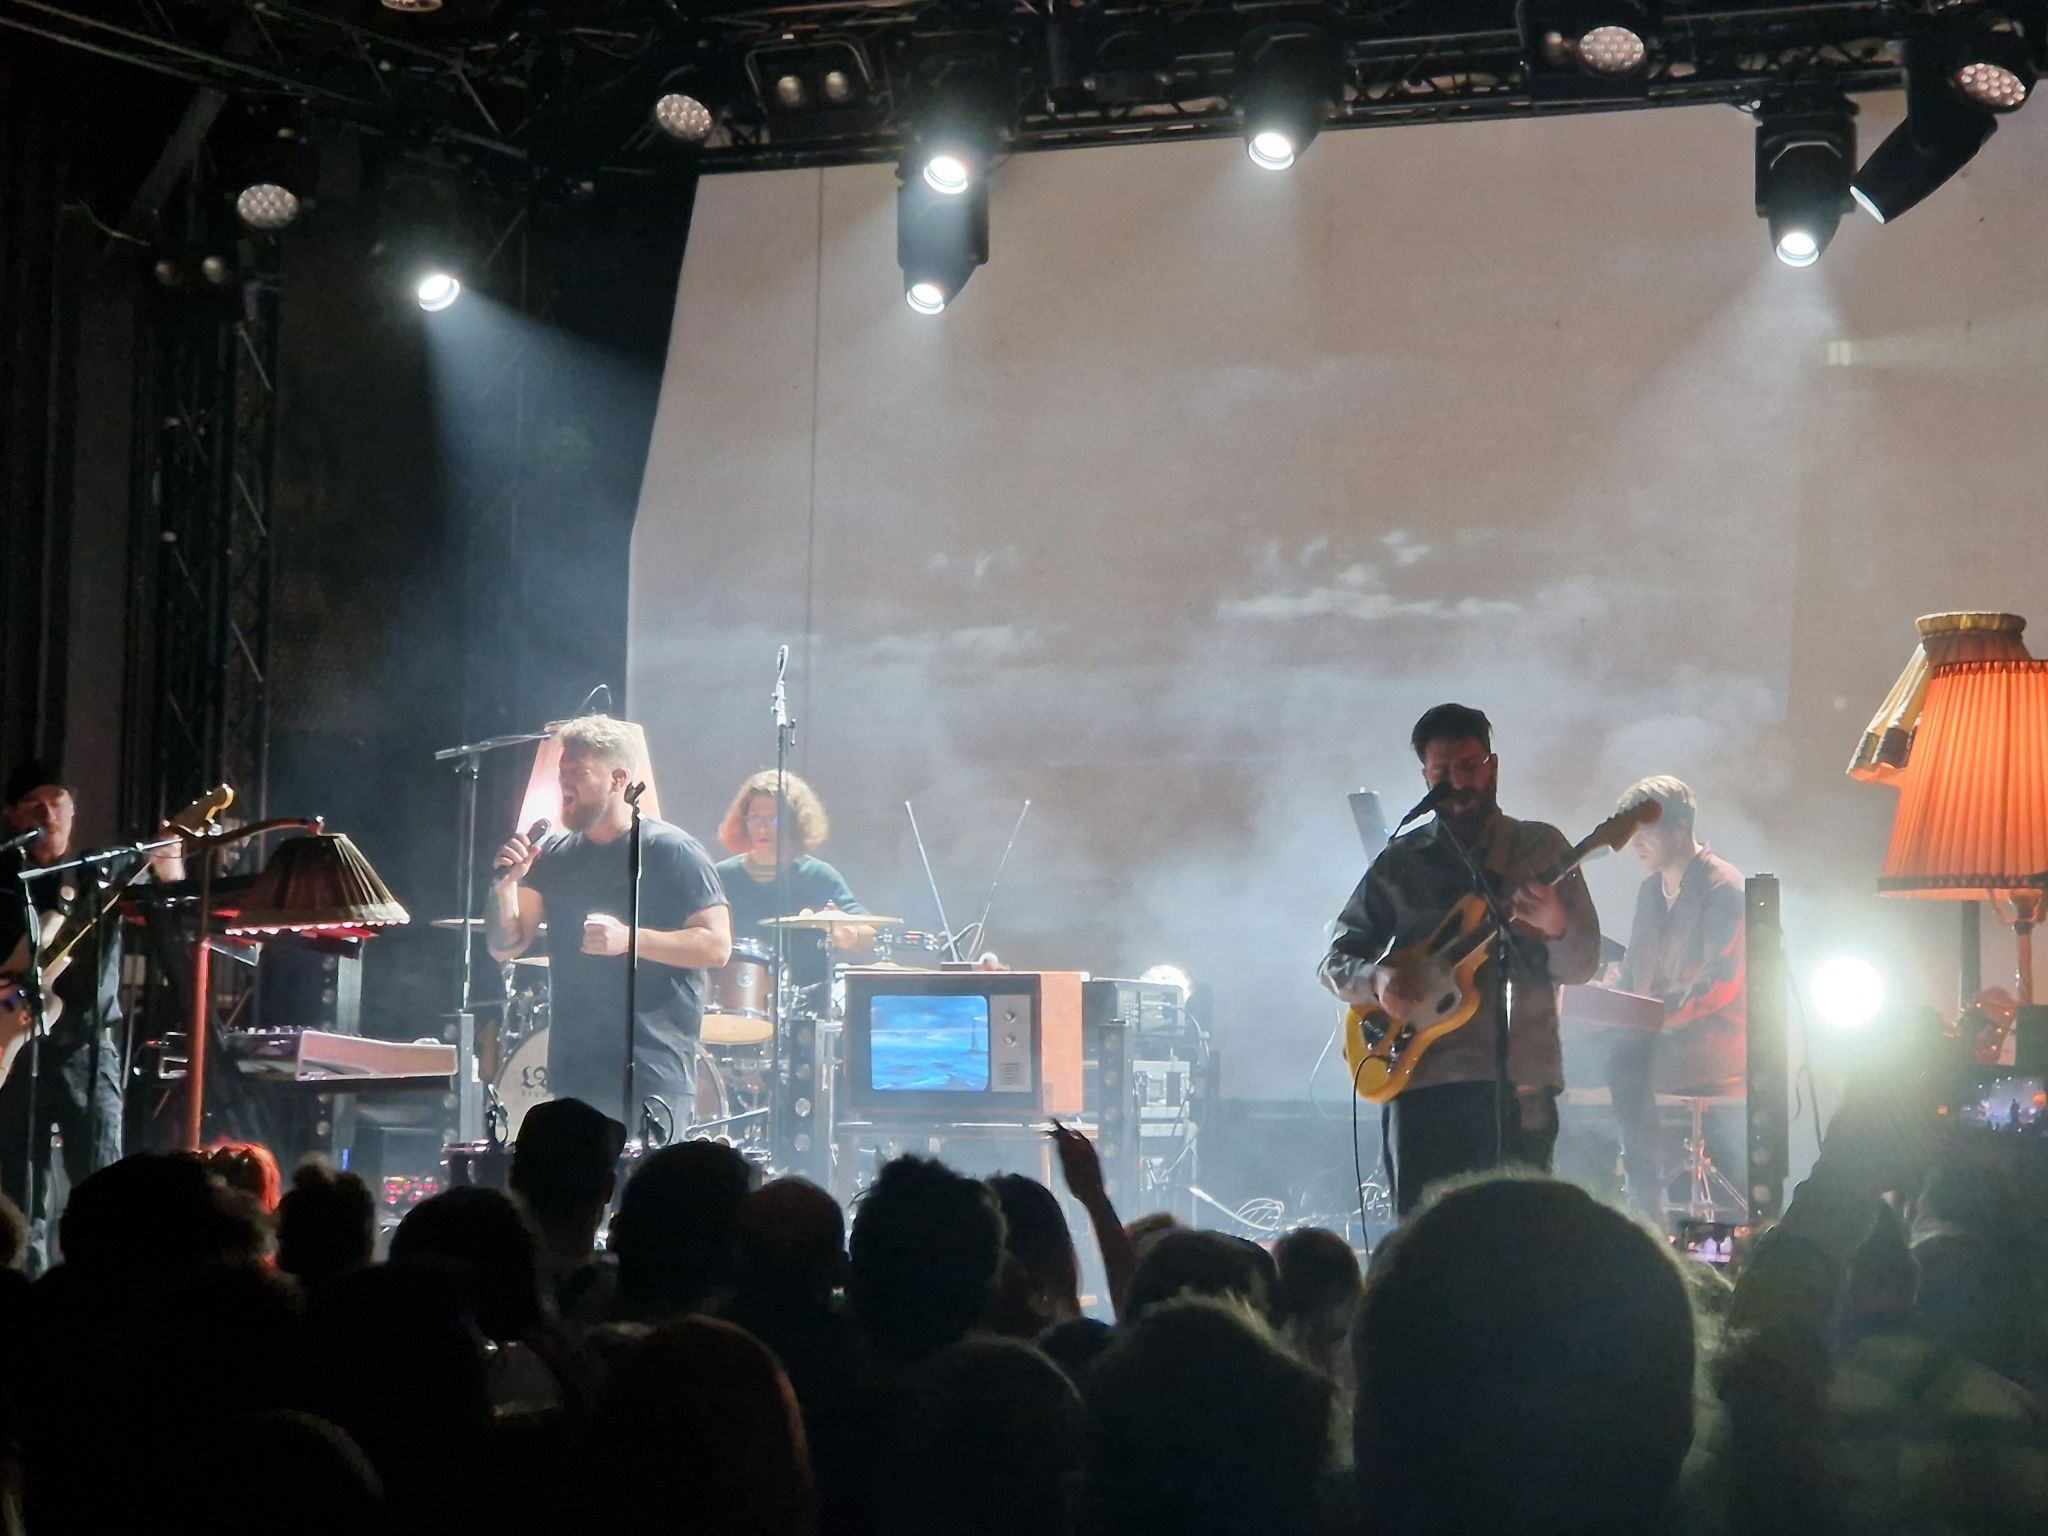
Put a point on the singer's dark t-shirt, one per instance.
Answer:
(587, 993)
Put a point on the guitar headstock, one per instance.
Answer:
(1616, 830)
(203, 812)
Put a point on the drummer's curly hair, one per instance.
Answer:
(811, 826)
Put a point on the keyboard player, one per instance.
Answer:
(1685, 949)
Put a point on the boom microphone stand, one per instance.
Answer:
(634, 1115)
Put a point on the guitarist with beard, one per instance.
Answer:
(80, 1085)
(1453, 1113)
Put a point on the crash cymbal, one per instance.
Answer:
(833, 920)
(529, 960)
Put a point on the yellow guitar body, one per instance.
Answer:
(1382, 1054)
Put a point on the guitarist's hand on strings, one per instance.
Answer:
(1400, 990)
(1539, 911)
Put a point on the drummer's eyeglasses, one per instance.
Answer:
(760, 821)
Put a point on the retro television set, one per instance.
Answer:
(961, 1047)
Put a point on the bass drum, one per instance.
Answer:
(524, 1083)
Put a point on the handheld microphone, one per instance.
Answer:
(538, 830)
(781, 661)
(1438, 793)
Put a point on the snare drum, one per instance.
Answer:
(737, 997)
(524, 1083)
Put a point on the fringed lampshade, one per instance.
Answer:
(317, 884)
(1972, 819)
(543, 790)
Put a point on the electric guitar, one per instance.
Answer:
(1382, 1053)
(58, 937)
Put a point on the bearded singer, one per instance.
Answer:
(577, 881)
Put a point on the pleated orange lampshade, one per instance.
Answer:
(317, 884)
(1972, 820)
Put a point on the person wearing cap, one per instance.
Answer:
(77, 1089)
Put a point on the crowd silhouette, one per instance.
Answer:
(215, 1353)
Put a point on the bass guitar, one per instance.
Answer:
(58, 937)
(1383, 1053)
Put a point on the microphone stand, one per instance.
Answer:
(467, 758)
(634, 1117)
(1503, 949)
(785, 738)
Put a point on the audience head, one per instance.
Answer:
(1970, 1295)
(487, 1235)
(1318, 1275)
(1039, 1283)
(990, 1444)
(157, 1212)
(794, 1246)
(246, 1166)
(677, 1233)
(302, 1474)
(1141, 1230)
(565, 1162)
(926, 1246)
(326, 1224)
(1555, 1333)
(1185, 1261)
(701, 1387)
(1200, 1424)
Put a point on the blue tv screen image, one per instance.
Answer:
(925, 1044)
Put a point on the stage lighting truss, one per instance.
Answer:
(818, 88)
(1290, 79)
(1804, 154)
(940, 239)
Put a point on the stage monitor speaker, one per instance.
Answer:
(1769, 1096)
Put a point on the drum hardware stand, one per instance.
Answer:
(467, 758)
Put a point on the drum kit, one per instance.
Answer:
(738, 1055)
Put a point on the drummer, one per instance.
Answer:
(751, 882)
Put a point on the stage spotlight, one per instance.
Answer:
(1289, 82)
(1802, 177)
(278, 175)
(1565, 41)
(817, 88)
(1847, 992)
(951, 174)
(682, 117)
(1989, 67)
(438, 290)
(940, 239)
(266, 206)
(966, 108)
(1947, 119)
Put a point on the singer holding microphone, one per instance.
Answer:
(1454, 1112)
(576, 880)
